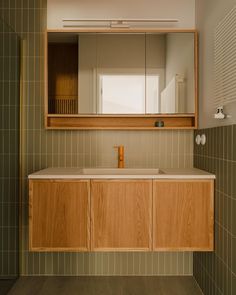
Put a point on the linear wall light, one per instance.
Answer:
(113, 23)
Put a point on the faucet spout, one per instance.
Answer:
(121, 156)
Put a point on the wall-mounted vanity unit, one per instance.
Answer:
(73, 209)
(121, 79)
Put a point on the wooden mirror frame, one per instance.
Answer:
(121, 122)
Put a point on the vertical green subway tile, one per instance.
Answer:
(225, 177)
(48, 264)
(56, 263)
(155, 263)
(229, 139)
(174, 263)
(233, 282)
(213, 271)
(234, 143)
(85, 262)
(68, 264)
(233, 212)
(221, 212)
(161, 263)
(225, 210)
(229, 177)
(221, 175)
(80, 263)
(225, 246)
(41, 264)
(229, 252)
(221, 142)
(233, 187)
(234, 255)
(229, 214)
(224, 277)
(228, 282)
(217, 142)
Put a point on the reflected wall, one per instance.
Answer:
(121, 73)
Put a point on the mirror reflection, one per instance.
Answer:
(119, 74)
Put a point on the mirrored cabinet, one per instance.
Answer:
(121, 79)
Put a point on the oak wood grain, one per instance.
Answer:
(183, 215)
(121, 215)
(59, 215)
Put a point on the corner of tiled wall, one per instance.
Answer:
(9, 150)
(216, 272)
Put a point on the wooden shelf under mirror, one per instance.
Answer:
(124, 122)
(79, 215)
(121, 79)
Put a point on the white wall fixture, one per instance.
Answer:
(203, 139)
(200, 139)
(220, 115)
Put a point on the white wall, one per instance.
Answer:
(184, 10)
(208, 14)
(180, 60)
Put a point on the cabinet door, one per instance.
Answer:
(121, 213)
(183, 215)
(59, 217)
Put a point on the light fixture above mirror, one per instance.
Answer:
(115, 22)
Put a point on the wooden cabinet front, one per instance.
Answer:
(59, 217)
(125, 215)
(183, 215)
(121, 213)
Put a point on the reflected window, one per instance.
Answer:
(125, 94)
(153, 94)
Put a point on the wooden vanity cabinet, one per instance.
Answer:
(121, 215)
(183, 215)
(125, 215)
(59, 215)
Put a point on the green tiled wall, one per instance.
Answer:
(216, 272)
(9, 151)
(43, 148)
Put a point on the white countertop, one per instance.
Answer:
(77, 173)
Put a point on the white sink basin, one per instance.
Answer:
(121, 171)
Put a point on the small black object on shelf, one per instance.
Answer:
(159, 124)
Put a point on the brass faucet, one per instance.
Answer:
(121, 158)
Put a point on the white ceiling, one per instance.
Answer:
(184, 10)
